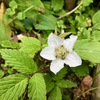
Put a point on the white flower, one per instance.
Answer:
(61, 51)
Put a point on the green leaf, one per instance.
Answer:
(19, 61)
(1, 73)
(47, 5)
(96, 17)
(19, 25)
(96, 35)
(37, 87)
(55, 94)
(30, 46)
(57, 4)
(49, 83)
(5, 32)
(88, 50)
(10, 44)
(38, 5)
(65, 84)
(21, 15)
(28, 22)
(12, 86)
(60, 74)
(96, 26)
(82, 70)
(23, 4)
(13, 5)
(10, 12)
(10, 70)
(45, 22)
(87, 3)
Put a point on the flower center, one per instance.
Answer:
(61, 52)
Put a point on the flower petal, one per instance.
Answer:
(54, 40)
(56, 65)
(48, 53)
(73, 60)
(69, 43)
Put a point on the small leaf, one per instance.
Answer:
(19, 61)
(19, 25)
(96, 17)
(82, 70)
(28, 22)
(12, 86)
(57, 4)
(60, 74)
(24, 4)
(65, 84)
(1, 73)
(21, 15)
(37, 87)
(10, 44)
(30, 46)
(87, 3)
(13, 5)
(10, 12)
(49, 83)
(55, 94)
(45, 22)
(38, 5)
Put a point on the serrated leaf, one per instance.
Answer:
(12, 86)
(66, 84)
(45, 22)
(82, 70)
(60, 74)
(37, 87)
(30, 46)
(49, 83)
(88, 50)
(19, 61)
(10, 44)
(96, 17)
(55, 94)
(57, 4)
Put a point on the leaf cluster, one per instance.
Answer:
(24, 74)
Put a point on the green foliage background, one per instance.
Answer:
(24, 74)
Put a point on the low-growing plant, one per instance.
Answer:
(72, 42)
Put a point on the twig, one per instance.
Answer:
(92, 89)
(67, 14)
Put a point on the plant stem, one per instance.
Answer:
(67, 14)
(86, 92)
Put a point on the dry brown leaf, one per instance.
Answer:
(86, 84)
(2, 10)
